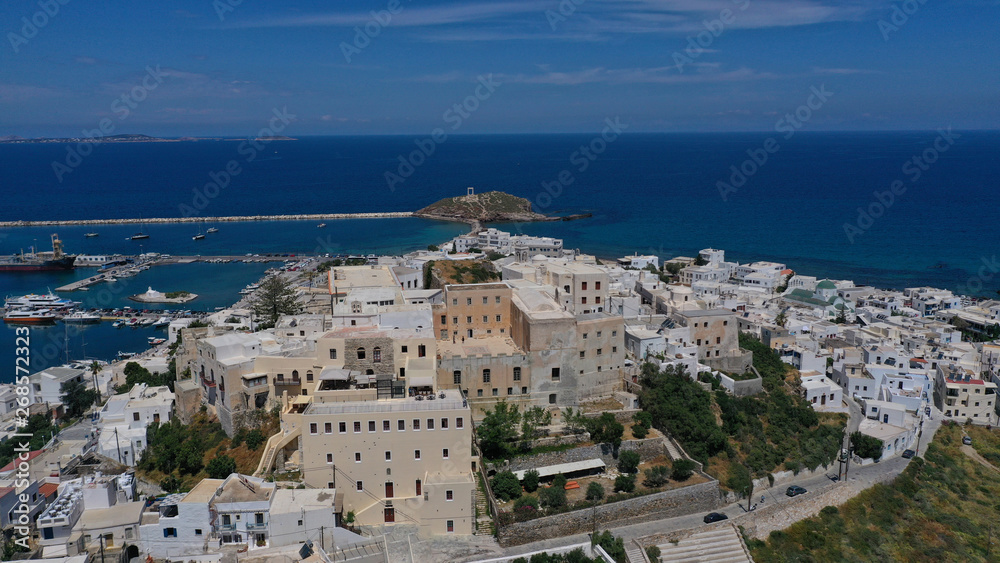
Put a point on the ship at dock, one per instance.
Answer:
(39, 261)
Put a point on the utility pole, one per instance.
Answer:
(322, 540)
(119, 444)
(102, 548)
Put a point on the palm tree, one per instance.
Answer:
(95, 368)
(781, 319)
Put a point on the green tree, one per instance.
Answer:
(624, 483)
(498, 433)
(681, 408)
(553, 498)
(866, 446)
(96, 368)
(274, 298)
(255, 438)
(656, 476)
(606, 430)
(170, 484)
(506, 485)
(628, 462)
(77, 398)
(221, 467)
(595, 491)
(653, 553)
(781, 319)
(433, 247)
(530, 480)
(532, 420)
(682, 469)
(615, 547)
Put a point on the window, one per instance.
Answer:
(170, 532)
(583, 300)
(614, 333)
(333, 353)
(552, 398)
(486, 375)
(357, 427)
(454, 301)
(430, 424)
(361, 353)
(486, 318)
(416, 424)
(468, 301)
(385, 426)
(449, 495)
(129, 533)
(390, 515)
(444, 423)
(718, 340)
(459, 422)
(444, 319)
(597, 285)
(583, 286)
(371, 425)
(451, 526)
(359, 485)
(510, 390)
(343, 427)
(597, 299)
(135, 416)
(583, 354)
(357, 457)
(421, 351)
(495, 392)
(566, 288)
(486, 300)
(497, 299)
(313, 428)
(309, 375)
(401, 425)
(524, 390)
(517, 374)
(388, 456)
(614, 349)
(419, 487)
(377, 354)
(498, 318)
(329, 458)
(585, 335)
(444, 453)
(328, 428)
(457, 377)
(454, 320)
(468, 319)
(416, 454)
(479, 392)
(403, 348)
(555, 374)
(725, 323)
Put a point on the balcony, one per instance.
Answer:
(287, 381)
(227, 527)
(256, 526)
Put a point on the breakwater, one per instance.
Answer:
(229, 219)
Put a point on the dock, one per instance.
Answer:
(198, 219)
(118, 271)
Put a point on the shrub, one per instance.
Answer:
(615, 547)
(595, 491)
(506, 485)
(656, 476)
(255, 438)
(682, 470)
(653, 553)
(553, 497)
(170, 484)
(625, 483)
(639, 431)
(559, 481)
(526, 500)
(530, 481)
(628, 462)
(221, 467)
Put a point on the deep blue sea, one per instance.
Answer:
(654, 193)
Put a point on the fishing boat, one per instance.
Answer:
(161, 322)
(140, 235)
(82, 317)
(118, 324)
(30, 317)
(92, 235)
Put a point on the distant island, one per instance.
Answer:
(488, 207)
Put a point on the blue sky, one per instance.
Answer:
(555, 66)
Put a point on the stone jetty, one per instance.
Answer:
(232, 219)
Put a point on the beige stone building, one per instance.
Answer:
(961, 395)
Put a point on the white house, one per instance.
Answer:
(124, 418)
(822, 394)
(46, 385)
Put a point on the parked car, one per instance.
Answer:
(715, 517)
(966, 440)
(927, 411)
(907, 454)
(795, 490)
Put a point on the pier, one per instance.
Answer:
(196, 219)
(118, 271)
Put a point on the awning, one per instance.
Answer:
(334, 374)
(420, 381)
(549, 470)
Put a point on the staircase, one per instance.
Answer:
(634, 553)
(484, 521)
(672, 450)
(721, 545)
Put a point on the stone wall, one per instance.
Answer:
(742, 388)
(702, 497)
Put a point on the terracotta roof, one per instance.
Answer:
(47, 489)
(31, 456)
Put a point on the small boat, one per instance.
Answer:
(82, 317)
(321, 225)
(133, 322)
(91, 235)
(147, 322)
(30, 317)
(161, 322)
(198, 236)
(154, 341)
(118, 324)
(138, 236)
(212, 230)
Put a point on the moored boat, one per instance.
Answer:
(82, 317)
(30, 317)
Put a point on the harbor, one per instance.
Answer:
(196, 219)
(136, 264)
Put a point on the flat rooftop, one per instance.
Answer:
(490, 346)
(452, 401)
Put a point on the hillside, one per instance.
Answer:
(941, 508)
(489, 207)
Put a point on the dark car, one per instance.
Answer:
(715, 517)
(967, 441)
(907, 454)
(795, 490)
